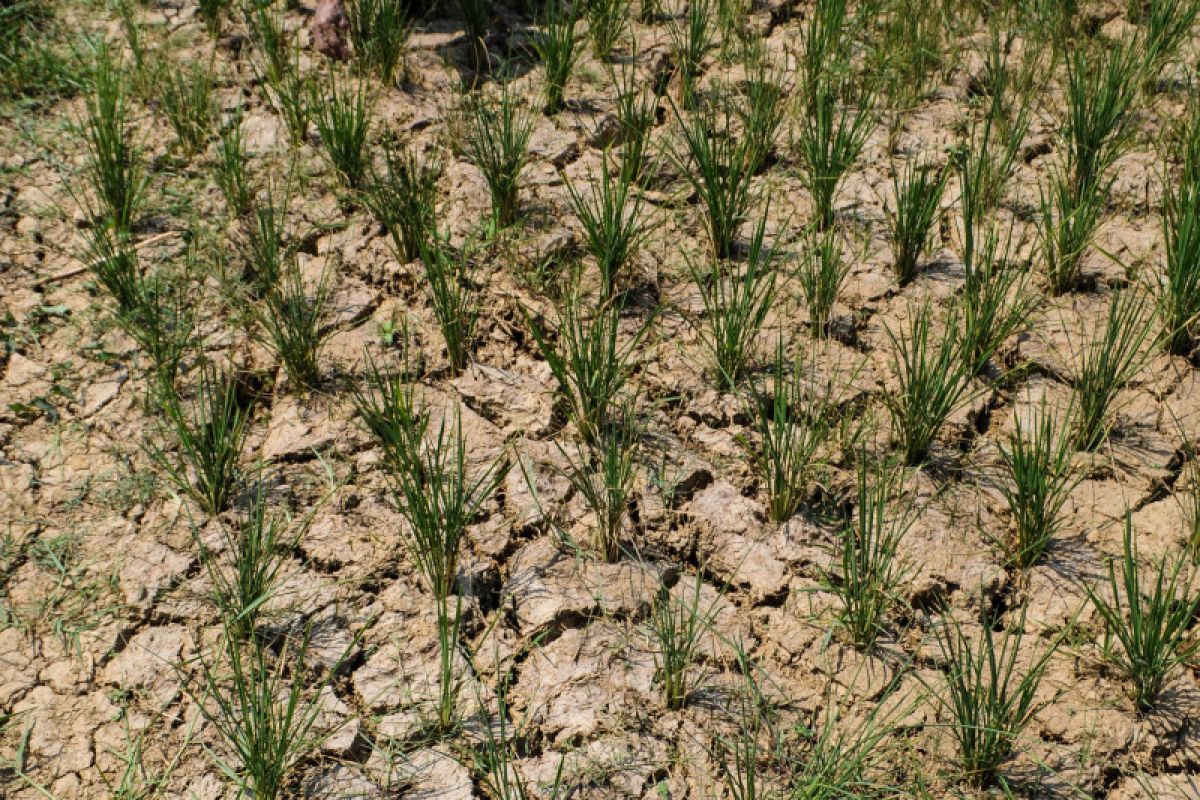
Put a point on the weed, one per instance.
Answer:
(188, 101)
(343, 119)
(379, 31)
(294, 320)
(678, 621)
(555, 45)
(918, 190)
(497, 143)
(822, 271)
(611, 219)
(405, 201)
(1150, 626)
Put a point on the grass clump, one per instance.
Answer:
(636, 110)
(918, 194)
(497, 143)
(230, 170)
(735, 308)
(189, 103)
(822, 271)
(1148, 612)
(1067, 223)
(691, 39)
(831, 137)
(379, 31)
(450, 282)
(404, 199)
(990, 701)
(678, 621)
(932, 381)
(764, 104)
(113, 168)
(294, 317)
(555, 45)
(1037, 476)
(1178, 295)
(611, 218)
(1102, 86)
(343, 120)
(995, 301)
(606, 20)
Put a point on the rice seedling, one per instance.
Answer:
(271, 40)
(379, 30)
(230, 170)
(386, 403)
(246, 570)
(678, 621)
(1168, 23)
(1037, 476)
(918, 190)
(163, 327)
(869, 568)
(1148, 614)
(477, 16)
(114, 262)
(611, 218)
(690, 41)
(990, 156)
(450, 281)
(210, 435)
(715, 161)
(1101, 89)
(589, 362)
(740, 757)
(268, 722)
(294, 318)
(825, 42)
(294, 98)
(735, 308)
(30, 64)
(113, 169)
(1067, 225)
(995, 301)
(831, 137)
(343, 120)
(1178, 290)
(499, 748)
(405, 201)
(990, 701)
(794, 424)
(764, 105)
(606, 24)
(731, 22)
(186, 94)
(932, 381)
(212, 13)
(603, 475)
(497, 143)
(264, 240)
(839, 756)
(144, 73)
(912, 39)
(1107, 363)
(1188, 485)
(821, 273)
(636, 110)
(555, 45)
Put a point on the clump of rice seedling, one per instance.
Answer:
(1067, 225)
(793, 424)
(1101, 90)
(256, 550)
(379, 31)
(731, 22)
(450, 279)
(1108, 363)
(211, 436)
(612, 222)
(497, 143)
(603, 476)
(263, 242)
(716, 162)
(989, 700)
(188, 101)
(1178, 295)
(821, 272)
(1168, 25)
(294, 320)
(1188, 485)
(555, 45)
(162, 326)
(826, 38)
(1149, 614)
(343, 118)
(764, 105)
(735, 308)
(994, 300)
(496, 755)
(1037, 477)
(606, 24)
(589, 362)
(918, 195)
(278, 64)
(269, 723)
(230, 171)
(932, 379)
(690, 41)
(113, 169)
(114, 261)
(477, 16)
(212, 12)
(993, 144)
(405, 201)
(831, 137)
(678, 622)
(869, 567)
(636, 110)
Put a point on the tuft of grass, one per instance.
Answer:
(831, 137)
(230, 171)
(210, 435)
(763, 108)
(114, 262)
(1107, 364)
(1148, 614)
(1168, 23)
(912, 40)
(555, 45)
(405, 201)
(932, 381)
(794, 424)
(379, 31)
(264, 241)
(588, 361)
(1102, 86)
(841, 756)
(189, 103)
(1178, 290)
(636, 110)
(450, 281)
(826, 37)
(735, 307)
(987, 163)
(31, 67)
(477, 17)
(990, 700)
(821, 273)
(716, 162)
(607, 20)
(1067, 224)
(869, 568)
(113, 168)
(343, 120)
(678, 621)
(995, 300)
(611, 218)
(498, 750)
(918, 192)
(691, 39)
(294, 318)
(497, 143)
(1037, 477)
(212, 13)
(163, 326)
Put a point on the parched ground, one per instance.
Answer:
(105, 604)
